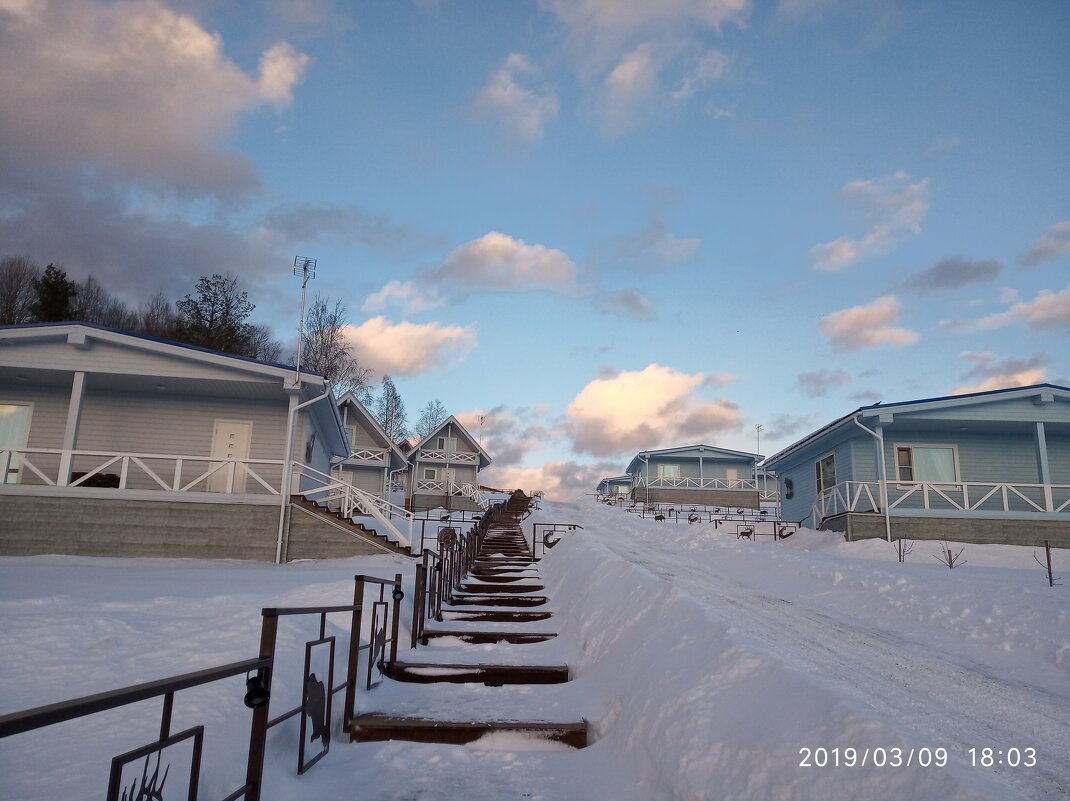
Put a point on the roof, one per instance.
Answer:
(945, 401)
(41, 328)
(484, 457)
(354, 402)
(711, 449)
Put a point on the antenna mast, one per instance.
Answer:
(305, 268)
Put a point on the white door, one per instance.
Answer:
(450, 477)
(14, 433)
(230, 440)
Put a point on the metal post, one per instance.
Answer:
(396, 624)
(354, 650)
(254, 773)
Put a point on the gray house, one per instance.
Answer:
(982, 467)
(615, 486)
(117, 444)
(699, 474)
(444, 470)
(372, 455)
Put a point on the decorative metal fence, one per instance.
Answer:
(136, 773)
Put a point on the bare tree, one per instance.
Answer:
(156, 317)
(433, 413)
(96, 305)
(216, 316)
(18, 276)
(260, 344)
(325, 349)
(390, 411)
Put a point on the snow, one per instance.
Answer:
(702, 663)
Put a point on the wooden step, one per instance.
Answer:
(485, 637)
(375, 727)
(496, 616)
(490, 675)
(480, 599)
(499, 589)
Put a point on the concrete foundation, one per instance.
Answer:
(856, 526)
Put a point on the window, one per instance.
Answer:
(668, 471)
(826, 473)
(930, 463)
(351, 432)
(14, 430)
(447, 444)
(430, 474)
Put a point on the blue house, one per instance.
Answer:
(702, 475)
(982, 467)
(615, 486)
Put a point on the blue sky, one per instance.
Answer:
(606, 225)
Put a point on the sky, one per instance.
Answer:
(601, 226)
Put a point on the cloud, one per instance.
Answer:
(135, 90)
(995, 372)
(599, 29)
(710, 67)
(497, 261)
(626, 303)
(563, 481)
(508, 434)
(625, 90)
(1052, 245)
(408, 348)
(787, 425)
(404, 295)
(953, 273)
(821, 382)
(866, 326)
(521, 110)
(893, 208)
(654, 246)
(648, 408)
(1048, 310)
(350, 224)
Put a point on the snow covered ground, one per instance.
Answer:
(704, 664)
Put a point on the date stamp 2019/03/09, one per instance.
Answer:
(904, 757)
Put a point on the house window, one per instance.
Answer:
(351, 433)
(930, 463)
(668, 471)
(447, 444)
(430, 474)
(826, 473)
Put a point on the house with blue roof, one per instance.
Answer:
(981, 467)
(701, 475)
(117, 444)
(615, 486)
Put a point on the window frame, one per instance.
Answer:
(434, 474)
(817, 469)
(674, 465)
(897, 446)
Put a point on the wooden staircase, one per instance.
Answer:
(355, 529)
(498, 602)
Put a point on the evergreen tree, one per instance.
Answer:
(390, 411)
(55, 296)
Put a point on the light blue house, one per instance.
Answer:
(701, 475)
(982, 467)
(615, 486)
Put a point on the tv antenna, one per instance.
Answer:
(305, 269)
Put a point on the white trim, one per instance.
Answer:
(817, 471)
(5, 453)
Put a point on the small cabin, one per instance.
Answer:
(444, 470)
(701, 475)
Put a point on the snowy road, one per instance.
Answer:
(940, 699)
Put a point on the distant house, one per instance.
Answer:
(117, 444)
(699, 474)
(982, 467)
(615, 486)
(372, 456)
(444, 470)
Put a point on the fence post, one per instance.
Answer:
(354, 650)
(254, 773)
(396, 623)
(418, 591)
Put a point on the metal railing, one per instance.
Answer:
(315, 708)
(551, 535)
(434, 455)
(450, 488)
(955, 496)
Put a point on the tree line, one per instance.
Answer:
(215, 316)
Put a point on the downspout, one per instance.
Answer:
(883, 478)
(287, 465)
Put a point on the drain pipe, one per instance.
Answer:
(287, 465)
(883, 478)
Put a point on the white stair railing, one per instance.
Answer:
(470, 491)
(354, 502)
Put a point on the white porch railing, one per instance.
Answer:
(768, 489)
(354, 502)
(162, 472)
(374, 455)
(433, 487)
(459, 457)
(954, 497)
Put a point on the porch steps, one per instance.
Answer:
(495, 605)
(358, 530)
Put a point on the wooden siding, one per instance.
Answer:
(803, 474)
(1059, 458)
(369, 479)
(366, 437)
(49, 418)
(982, 457)
(689, 466)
